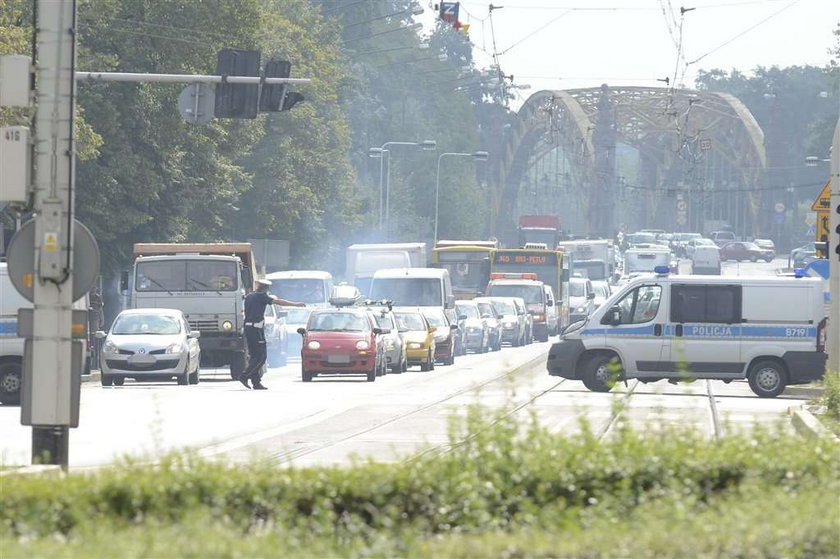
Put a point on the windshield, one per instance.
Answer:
(601, 289)
(297, 316)
(471, 276)
(467, 310)
(187, 275)
(577, 289)
(383, 321)
(302, 290)
(531, 293)
(146, 324)
(435, 318)
(486, 309)
(409, 292)
(338, 322)
(504, 307)
(593, 269)
(410, 321)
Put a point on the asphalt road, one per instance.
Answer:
(331, 419)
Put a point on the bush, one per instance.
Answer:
(831, 396)
(506, 490)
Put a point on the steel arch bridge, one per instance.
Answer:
(605, 159)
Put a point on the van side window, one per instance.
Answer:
(706, 303)
(640, 305)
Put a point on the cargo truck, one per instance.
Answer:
(363, 260)
(208, 283)
(541, 229)
(594, 259)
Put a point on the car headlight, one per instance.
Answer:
(389, 344)
(361, 344)
(110, 347)
(227, 325)
(314, 345)
(415, 345)
(539, 317)
(509, 323)
(580, 309)
(177, 347)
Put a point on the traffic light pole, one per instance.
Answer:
(51, 344)
(184, 78)
(833, 339)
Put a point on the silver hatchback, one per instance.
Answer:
(150, 344)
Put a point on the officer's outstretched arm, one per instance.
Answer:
(285, 303)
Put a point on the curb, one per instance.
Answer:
(804, 391)
(807, 425)
(94, 376)
(47, 470)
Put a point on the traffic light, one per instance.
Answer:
(821, 248)
(277, 97)
(837, 231)
(237, 100)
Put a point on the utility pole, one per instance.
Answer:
(51, 344)
(833, 339)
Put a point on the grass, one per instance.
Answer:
(831, 400)
(510, 490)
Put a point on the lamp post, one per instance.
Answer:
(384, 155)
(477, 155)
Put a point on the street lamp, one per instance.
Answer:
(384, 155)
(477, 156)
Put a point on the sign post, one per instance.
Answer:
(833, 339)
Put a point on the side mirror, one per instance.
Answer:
(549, 303)
(453, 326)
(462, 317)
(301, 331)
(194, 334)
(432, 329)
(124, 281)
(377, 330)
(382, 331)
(100, 334)
(612, 317)
(590, 296)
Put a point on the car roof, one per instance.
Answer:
(411, 273)
(302, 274)
(152, 310)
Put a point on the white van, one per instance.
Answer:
(646, 258)
(706, 260)
(768, 330)
(414, 287)
(311, 287)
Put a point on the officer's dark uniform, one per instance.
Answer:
(255, 304)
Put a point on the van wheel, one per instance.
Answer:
(767, 378)
(601, 373)
(119, 381)
(106, 380)
(11, 378)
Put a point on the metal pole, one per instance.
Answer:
(387, 194)
(437, 195)
(51, 352)
(381, 186)
(184, 78)
(833, 339)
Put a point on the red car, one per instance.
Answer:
(745, 251)
(342, 341)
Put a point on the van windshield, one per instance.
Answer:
(531, 293)
(592, 269)
(409, 292)
(302, 290)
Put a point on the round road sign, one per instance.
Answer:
(21, 258)
(779, 207)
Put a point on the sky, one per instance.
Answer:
(567, 44)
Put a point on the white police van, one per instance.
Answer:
(768, 330)
(11, 347)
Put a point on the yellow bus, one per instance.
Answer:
(468, 265)
(550, 266)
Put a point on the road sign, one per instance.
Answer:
(681, 219)
(811, 219)
(681, 205)
(823, 201)
(21, 259)
(779, 207)
(706, 144)
(196, 103)
(823, 225)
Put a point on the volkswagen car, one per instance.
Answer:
(150, 344)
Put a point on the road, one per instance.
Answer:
(330, 419)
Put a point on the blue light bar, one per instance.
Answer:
(799, 272)
(661, 270)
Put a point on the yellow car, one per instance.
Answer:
(419, 338)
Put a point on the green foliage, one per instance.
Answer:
(505, 489)
(831, 396)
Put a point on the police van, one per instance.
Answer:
(768, 330)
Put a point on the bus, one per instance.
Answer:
(468, 265)
(550, 266)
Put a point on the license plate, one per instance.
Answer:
(338, 359)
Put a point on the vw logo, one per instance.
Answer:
(141, 350)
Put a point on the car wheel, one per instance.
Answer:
(753, 258)
(119, 381)
(237, 365)
(601, 373)
(767, 378)
(11, 379)
(106, 380)
(371, 376)
(306, 376)
(184, 379)
(768, 259)
(194, 376)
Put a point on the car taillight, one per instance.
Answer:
(821, 335)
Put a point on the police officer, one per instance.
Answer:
(255, 304)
